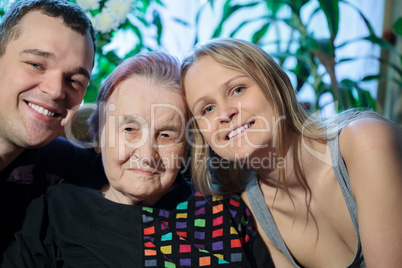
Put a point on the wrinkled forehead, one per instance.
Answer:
(152, 103)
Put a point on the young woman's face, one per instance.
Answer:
(231, 110)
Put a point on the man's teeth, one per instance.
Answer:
(237, 131)
(41, 110)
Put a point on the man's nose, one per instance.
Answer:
(54, 85)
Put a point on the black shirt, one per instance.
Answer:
(29, 176)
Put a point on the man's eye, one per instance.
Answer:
(238, 90)
(35, 65)
(207, 110)
(74, 82)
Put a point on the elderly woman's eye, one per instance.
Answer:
(128, 129)
(168, 135)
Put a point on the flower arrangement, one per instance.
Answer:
(111, 16)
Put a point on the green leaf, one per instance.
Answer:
(392, 65)
(257, 36)
(346, 99)
(331, 10)
(91, 93)
(227, 12)
(379, 41)
(383, 44)
(398, 26)
(352, 95)
(159, 2)
(182, 22)
(158, 23)
(244, 23)
(197, 19)
(398, 83)
(364, 98)
(373, 77)
(366, 21)
(324, 45)
(296, 5)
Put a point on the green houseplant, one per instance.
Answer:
(310, 52)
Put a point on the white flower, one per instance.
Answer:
(119, 8)
(104, 22)
(88, 4)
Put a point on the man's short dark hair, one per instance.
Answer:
(73, 17)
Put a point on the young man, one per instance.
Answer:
(47, 52)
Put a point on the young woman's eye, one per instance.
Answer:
(207, 110)
(238, 90)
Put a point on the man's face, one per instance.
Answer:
(43, 77)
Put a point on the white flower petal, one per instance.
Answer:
(88, 4)
(104, 22)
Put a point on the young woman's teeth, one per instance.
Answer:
(237, 131)
(41, 110)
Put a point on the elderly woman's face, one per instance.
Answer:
(142, 141)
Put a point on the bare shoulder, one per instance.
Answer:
(370, 134)
(372, 151)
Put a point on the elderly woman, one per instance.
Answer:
(139, 127)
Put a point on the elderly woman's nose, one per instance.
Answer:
(148, 150)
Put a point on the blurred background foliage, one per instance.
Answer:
(143, 20)
(310, 52)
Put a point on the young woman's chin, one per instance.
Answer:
(239, 155)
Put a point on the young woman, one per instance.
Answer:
(324, 192)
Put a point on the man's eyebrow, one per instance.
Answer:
(83, 71)
(50, 55)
(37, 52)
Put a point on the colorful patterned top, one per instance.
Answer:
(72, 226)
(202, 232)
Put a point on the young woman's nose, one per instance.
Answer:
(227, 112)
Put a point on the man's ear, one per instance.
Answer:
(97, 148)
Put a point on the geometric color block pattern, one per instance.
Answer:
(201, 232)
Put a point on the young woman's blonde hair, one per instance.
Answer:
(251, 60)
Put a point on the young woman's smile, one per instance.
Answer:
(231, 111)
